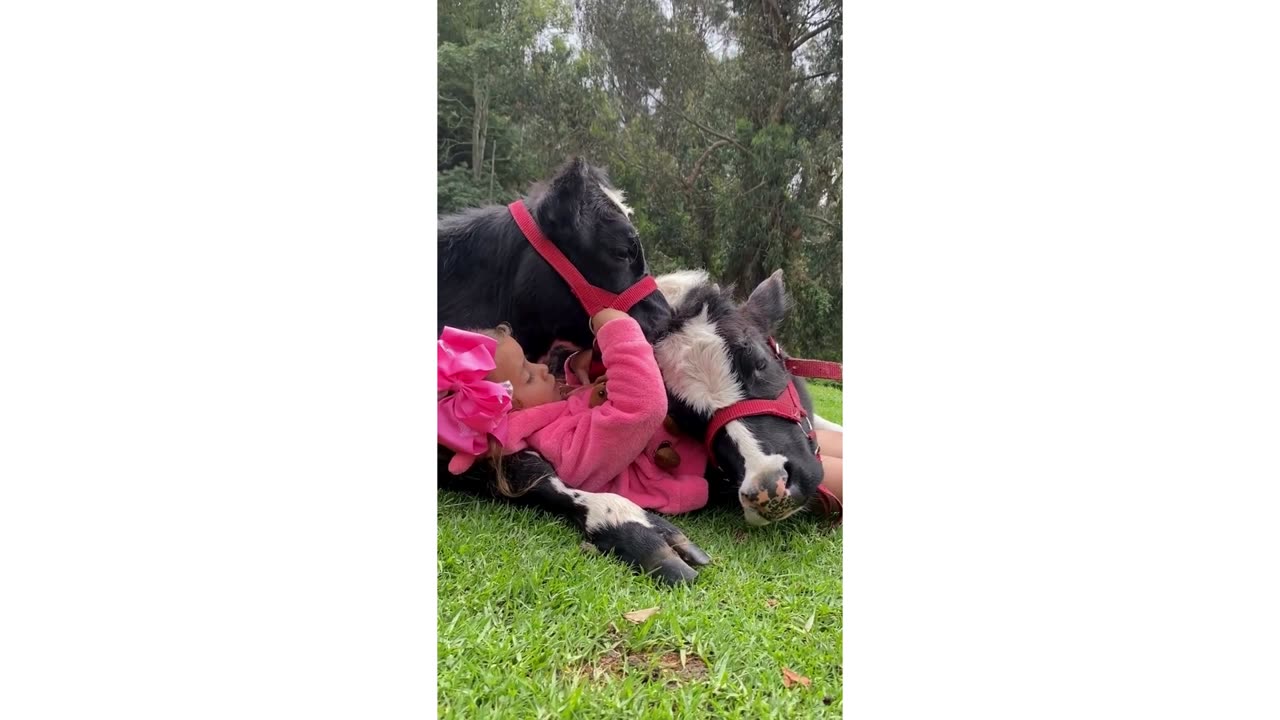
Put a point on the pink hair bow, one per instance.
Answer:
(475, 408)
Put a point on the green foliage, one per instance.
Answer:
(456, 190)
(720, 118)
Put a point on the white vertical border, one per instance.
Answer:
(1062, 341)
(433, 305)
(216, 483)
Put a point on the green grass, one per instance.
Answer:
(826, 401)
(530, 624)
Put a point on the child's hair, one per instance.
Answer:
(495, 448)
(503, 330)
(499, 475)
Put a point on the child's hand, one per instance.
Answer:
(580, 366)
(599, 319)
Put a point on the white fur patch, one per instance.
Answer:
(603, 509)
(749, 446)
(674, 286)
(619, 198)
(761, 469)
(695, 365)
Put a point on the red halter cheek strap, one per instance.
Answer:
(787, 405)
(592, 298)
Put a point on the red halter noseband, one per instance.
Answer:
(592, 298)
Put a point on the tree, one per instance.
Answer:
(721, 119)
(484, 50)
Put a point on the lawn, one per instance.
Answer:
(826, 401)
(531, 624)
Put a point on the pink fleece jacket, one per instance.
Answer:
(611, 447)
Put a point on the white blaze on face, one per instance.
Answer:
(618, 197)
(675, 286)
(768, 467)
(695, 364)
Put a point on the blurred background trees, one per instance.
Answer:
(720, 118)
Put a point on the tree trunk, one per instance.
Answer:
(493, 163)
(780, 37)
(479, 127)
(705, 222)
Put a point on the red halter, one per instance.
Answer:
(787, 405)
(593, 299)
(818, 369)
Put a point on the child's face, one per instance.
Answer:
(532, 383)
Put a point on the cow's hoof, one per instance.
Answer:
(678, 541)
(669, 569)
(660, 550)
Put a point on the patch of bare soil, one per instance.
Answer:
(653, 667)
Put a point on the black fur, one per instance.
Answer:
(489, 273)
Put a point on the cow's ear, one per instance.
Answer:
(768, 304)
(565, 198)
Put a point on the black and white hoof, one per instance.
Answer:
(657, 549)
(642, 539)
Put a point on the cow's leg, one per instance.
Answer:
(611, 523)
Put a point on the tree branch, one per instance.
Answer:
(446, 98)
(447, 146)
(699, 125)
(809, 35)
(697, 167)
(813, 76)
(822, 220)
(628, 161)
